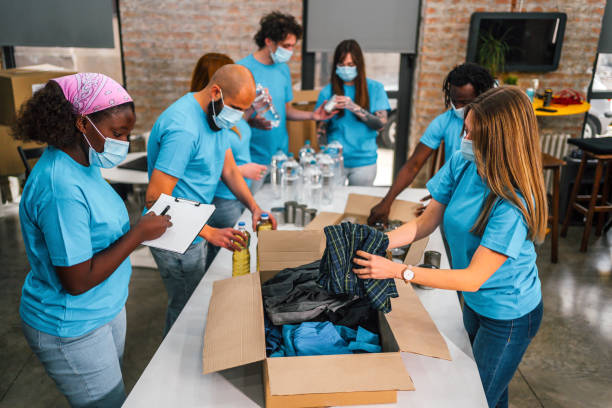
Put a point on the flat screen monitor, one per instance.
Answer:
(532, 41)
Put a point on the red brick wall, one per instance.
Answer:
(162, 41)
(443, 44)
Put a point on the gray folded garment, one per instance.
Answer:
(293, 296)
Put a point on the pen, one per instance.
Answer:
(165, 210)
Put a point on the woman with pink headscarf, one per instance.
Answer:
(77, 236)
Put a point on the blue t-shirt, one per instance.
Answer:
(447, 127)
(242, 155)
(68, 213)
(358, 139)
(514, 289)
(277, 78)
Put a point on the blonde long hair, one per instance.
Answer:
(506, 141)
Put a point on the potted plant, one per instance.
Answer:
(492, 51)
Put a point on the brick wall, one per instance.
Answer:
(443, 44)
(163, 39)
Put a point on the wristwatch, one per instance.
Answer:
(408, 274)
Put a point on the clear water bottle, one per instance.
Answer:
(312, 185)
(290, 179)
(335, 150)
(276, 172)
(306, 150)
(326, 165)
(264, 107)
(241, 259)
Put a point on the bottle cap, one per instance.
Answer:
(264, 215)
(307, 142)
(313, 162)
(241, 224)
(290, 154)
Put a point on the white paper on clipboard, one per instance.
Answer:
(187, 217)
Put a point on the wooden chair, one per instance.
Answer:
(601, 150)
(552, 163)
(29, 154)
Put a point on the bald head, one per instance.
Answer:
(237, 84)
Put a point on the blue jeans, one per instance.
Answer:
(87, 368)
(181, 275)
(226, 214)
(361, 176)
(498, 347)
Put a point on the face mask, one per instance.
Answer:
(228, 117)
(458, 112)
(466, 148)
(114, 151)
(281, 55)
(347, 74)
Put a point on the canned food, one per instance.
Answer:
(299, 215)
(279, 214)
(290, 211)
(309, 215)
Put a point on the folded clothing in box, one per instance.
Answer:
(323, 338)
(336, 268)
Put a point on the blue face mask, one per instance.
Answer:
(228, 117)
(466, 149)
(114, 151)
(281, 55)
(458, 112)
(347, 74)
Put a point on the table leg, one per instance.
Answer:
(604, 198)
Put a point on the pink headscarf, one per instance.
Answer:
(89, 92)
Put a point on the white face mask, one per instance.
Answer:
(115, 151)
(466, 148)
(228, 117)
(458, 112)
(281, 55)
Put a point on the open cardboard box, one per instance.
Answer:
(358, 206)
(235, 336)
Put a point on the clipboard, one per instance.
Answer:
(188, 219)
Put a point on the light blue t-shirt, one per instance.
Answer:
(277, 78)
(358, 139)
(68, 213)
(242, 155)
(183, 145)
(447, 127)
(514, 289)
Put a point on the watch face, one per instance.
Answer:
(408, 274)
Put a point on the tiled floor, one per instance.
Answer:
(569, 363)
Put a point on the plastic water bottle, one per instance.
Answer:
(290, 179)
(306, 150)
(335, 150)
(276, 173)
(264, 107)
(241, 259)
(312, 185)
(326, 165)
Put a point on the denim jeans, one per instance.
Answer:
(361, 176)
(498, 347)
(226, 214)
(87, 368)
(181, 275)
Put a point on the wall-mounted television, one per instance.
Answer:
(531, 41)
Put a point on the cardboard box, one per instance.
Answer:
(301, 131)
(10, 162)
(235, 336)
(17, 85)
(359, 205)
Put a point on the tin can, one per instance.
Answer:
(432, 258)
(279, 214)
(299, 215)
(309, 215)
(547, 97)
(290, 211)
